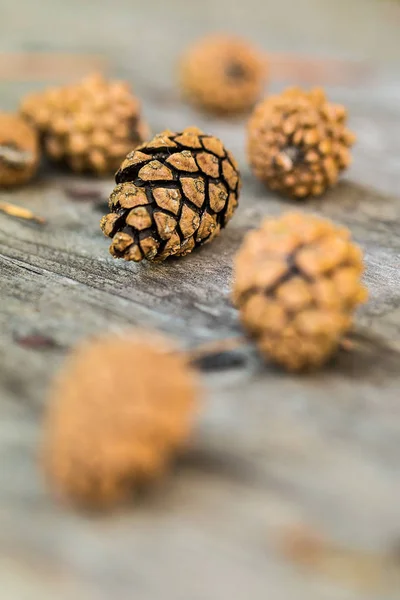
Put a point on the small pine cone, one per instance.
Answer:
(173, 194)
(298, 142)
(120, 409)
(89, 126)
(223, 74)
(19, 150)
(297, 284)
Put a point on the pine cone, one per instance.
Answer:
(297, 284)
(19, 150)
(90, 126)
(223, 74)
(120, 409)
(173, 194)
(298, 142)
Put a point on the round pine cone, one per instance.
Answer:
(173, 194)
(297, 284)
(298, 142)
(119, 410)
(89, 126)
(19, 150)
(223, 74)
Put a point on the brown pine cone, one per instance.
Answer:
(297, 284)
(90, 126)
(223, 74)
(298, 142)
(173, 194)
(19, 150)
(120, 409)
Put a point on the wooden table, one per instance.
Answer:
(272, 453)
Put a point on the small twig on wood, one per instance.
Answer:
(216, 347)
(36, 341)
(21, 213)
(215, 355)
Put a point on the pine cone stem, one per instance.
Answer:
(209, 349)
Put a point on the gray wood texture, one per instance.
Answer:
(270, 450)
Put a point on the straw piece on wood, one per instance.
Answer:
(21, 213)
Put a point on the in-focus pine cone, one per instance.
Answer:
(297, 284)
(173, 194)
(89, 126)
(120, 409)
(223, 74)
(19, 150)
(298, 142)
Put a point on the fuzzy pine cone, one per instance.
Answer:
(120, 408)
(297, 284)
(89, 126)
(173, 194)
(223, 74)
(19, 150)
(298, 142)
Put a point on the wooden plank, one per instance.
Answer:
(270, 450)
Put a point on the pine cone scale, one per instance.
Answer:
(184, 193)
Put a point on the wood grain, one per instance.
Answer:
(270, 450)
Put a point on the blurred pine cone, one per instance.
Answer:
(120, 408)
(173, 194)
(223, 74)
(90, 126)
(297, 284)
(19, 150)
(298, 142)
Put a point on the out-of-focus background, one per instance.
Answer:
(156, 31)
(143, 41)
(273, 451)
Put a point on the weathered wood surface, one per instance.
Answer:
(270, 450)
